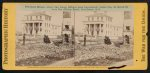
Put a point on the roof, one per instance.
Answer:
(37, 13)
(98, 15)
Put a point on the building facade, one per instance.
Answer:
(68, 27)
(101, 25)
(39, 24)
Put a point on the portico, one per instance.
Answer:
(94, 29)
(33, 28)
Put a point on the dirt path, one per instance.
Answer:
(67, 62)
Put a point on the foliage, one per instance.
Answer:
(107, 40)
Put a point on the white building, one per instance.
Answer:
(39, 24)
(101, 25)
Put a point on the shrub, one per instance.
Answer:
(107, 40)
(46, 39)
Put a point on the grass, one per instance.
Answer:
(40, 54)
(102, 55)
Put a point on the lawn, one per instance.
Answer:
(40, 54)
(102, 55)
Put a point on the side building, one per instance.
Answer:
(68, 27)
(128, 26)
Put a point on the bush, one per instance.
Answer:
(127, 39)
(46, 39)
(107, 40)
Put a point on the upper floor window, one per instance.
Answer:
(128, 28)
(27, 17)
(97, 18)
(92, 18)
(36, 17)
(30, 17)
(111, 19)
(102, 18)
(40, 17)
(88, 18)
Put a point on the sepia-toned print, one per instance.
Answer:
(74, 38)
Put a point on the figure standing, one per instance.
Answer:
(24, 38)
(84, 40)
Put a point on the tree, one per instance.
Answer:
(84, 40)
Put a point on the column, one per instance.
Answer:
(24, 28)
(100, 29)
(94, 29)
(89, 29)
(27, 28)
(37, 28)
(33, 32)
(41, 28)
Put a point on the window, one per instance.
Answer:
(88, 18)
(45, 17)
(97, 18)
(67, 27)
(92, 18)
(111, 19)
(102, 30)
(27, 17)
(40, 17)
(102, 18)
(127, 14)
(31, 17)
(128, 28)
(108, 19)
(36, 17)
